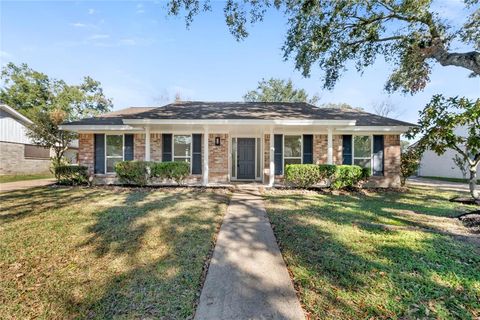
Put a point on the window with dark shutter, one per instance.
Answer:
(166, 147)
(99, 156)
(377, 156)
(307, 148)
(128, 147)
(36, 152)
(347, 149)
(196, 154)
(278, 155)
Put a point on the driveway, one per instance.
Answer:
(442, 185)
(247, 277)
(26, 184)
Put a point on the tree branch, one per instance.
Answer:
(375, 40)
(468, 60)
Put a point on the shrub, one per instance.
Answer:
(176, 171)
(133, 172)
(410, 162)
(347, 176)
(302, 175)
(327, 171)
(71, 174)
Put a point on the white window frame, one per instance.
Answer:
(283, 149)
(113, 157)
(191, 148)
(371, 150)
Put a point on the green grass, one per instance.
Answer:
(105, 253)
(23, 177)
(378, 256)
(449, 179)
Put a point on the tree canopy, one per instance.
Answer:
(409, 35)
(48, 102)
(278, 90)
(437, 127)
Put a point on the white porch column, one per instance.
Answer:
(147, 143)
(330, 146)
(205, 157)
(271, 171)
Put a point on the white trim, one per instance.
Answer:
(15, 113)
(205, 170)
(255, 137)
(98, 128)
(286, 122)
(183, 157)
(330, 146)
(147, 144)
(271, 173)
(370, 129)
(113, 157)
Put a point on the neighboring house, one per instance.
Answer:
(241, 141)
(18, 154)
(433, 165)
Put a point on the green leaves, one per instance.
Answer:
(278, 90)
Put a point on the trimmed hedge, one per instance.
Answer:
(141, 172)
(71, 174)
(302, 175)
(176, 171)
(132, 172)
(340, 176)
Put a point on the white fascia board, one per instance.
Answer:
(15, 113)
(97, 128)
(291, 122)
(384, 129)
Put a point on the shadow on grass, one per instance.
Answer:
(371, 271)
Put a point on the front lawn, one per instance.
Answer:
(23, 177)
(105, 252)
(381, 255)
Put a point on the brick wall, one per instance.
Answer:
(337, 149)
(86, 150)
(139, 146)
(12, 160)
(155, 147)
(218, 158)
(320, 148)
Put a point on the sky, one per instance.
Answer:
(143, 57)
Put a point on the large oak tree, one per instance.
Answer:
(409, 34)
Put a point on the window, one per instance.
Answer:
(362, 151)
(36, 152)
(113, 151)
(292, 146)
(182, 147)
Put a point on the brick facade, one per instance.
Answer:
(139, 146)
(320, 148)
(391, 164)
(218, 158)
(12, 160)
(337, 149)
(155, 146)
(86, 151)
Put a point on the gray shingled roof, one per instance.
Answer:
(241, 110)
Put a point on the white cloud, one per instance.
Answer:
(140, 8)
(92, 11)
(5, 55)
(98, 36)
(79, 25)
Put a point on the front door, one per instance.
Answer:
(246, 158)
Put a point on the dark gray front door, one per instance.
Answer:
(246, 158)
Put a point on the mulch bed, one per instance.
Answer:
(471, 220)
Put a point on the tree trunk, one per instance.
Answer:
(467, 60)
(473, 183)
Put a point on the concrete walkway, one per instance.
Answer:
(247, 277)
(26, 184)
(441, 185)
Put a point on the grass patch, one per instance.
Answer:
(382, 255)
(23, 177)
(105, 252)
(449, 179)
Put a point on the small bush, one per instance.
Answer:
(302, 175)
(347, 176)
(327, 171)
(176, 171)
(410, 162)
(133, 172)
(71, 174)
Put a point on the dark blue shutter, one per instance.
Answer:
(377, 169)
(166, 147)
(197, 154)
(128, 147)
(278, 155)
(347, 149)
(99, 156)
(307, 148)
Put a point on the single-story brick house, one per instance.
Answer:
(241, 141)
